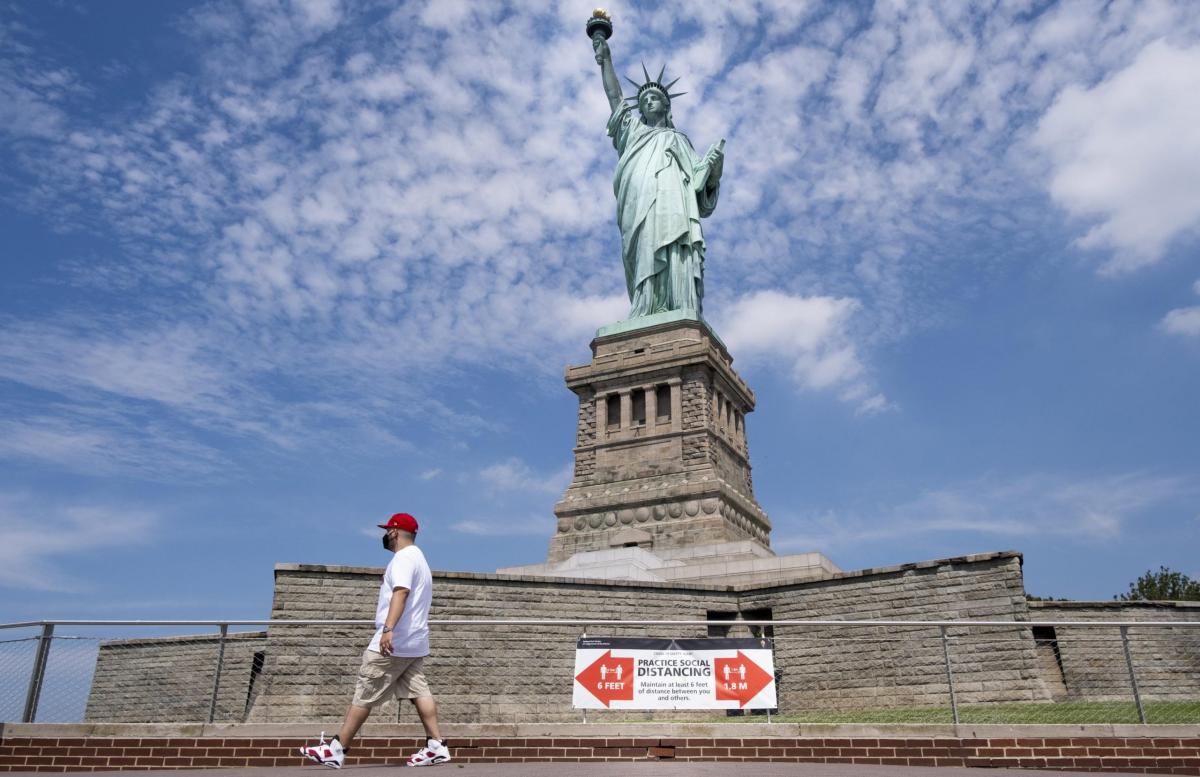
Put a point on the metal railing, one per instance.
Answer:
(496, 670)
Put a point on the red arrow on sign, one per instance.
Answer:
(609, 679)
(739, 679)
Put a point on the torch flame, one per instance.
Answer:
(600, 13)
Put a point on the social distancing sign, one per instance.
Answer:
(674, 674)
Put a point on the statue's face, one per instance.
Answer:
(653, 106)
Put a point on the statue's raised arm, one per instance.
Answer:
(663, 189)
(600, 28)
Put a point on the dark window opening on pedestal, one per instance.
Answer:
(1045, 635)
(761, 614)
(639, 407)
(718, 630)
(662, 398)
(256, 667)
(1046, 641)
(612, 407)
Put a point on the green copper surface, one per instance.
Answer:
(663, 189)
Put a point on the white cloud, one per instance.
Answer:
(430, 474)
(513, 474)
(333, 204)
(37, 540)
(807, 335)
(1085, 510)
(1126, 153)
(534, 526)
(581, 317)
(321, 14)
(1182, 321)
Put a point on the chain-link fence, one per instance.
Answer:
(505, 671)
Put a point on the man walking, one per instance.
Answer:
(391, 664)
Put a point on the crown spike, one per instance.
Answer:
(677, 94)
(647, 72)
(661, 72)
(636, 85)
(668, 86)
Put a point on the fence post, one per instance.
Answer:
(1137, 696)
(212, 704)
(949, 674)
(584, 710)
(38, 675)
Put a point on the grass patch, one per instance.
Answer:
(1157, 712)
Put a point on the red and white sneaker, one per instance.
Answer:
(432, 754)
(329, 754)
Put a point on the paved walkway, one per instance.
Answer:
(623, 769)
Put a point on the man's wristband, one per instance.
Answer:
(387, 629)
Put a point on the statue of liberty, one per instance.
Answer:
(663, 189)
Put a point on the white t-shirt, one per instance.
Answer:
(407, 569)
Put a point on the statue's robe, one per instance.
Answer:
(663, 190)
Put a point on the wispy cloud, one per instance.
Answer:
(32, 86)
(1087, 510)
(504, 526)
(513, 474)
(106, 444)
(38, 539)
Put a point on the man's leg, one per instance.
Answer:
(427, 711)
(355, 717)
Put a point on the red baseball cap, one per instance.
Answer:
(401, 521)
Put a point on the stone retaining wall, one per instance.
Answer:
(516, 674)
(171, 678)
(857, 668)
(519, 673)
(1092, 663)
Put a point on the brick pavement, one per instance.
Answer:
(626, 769)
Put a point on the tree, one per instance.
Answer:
(1163, 585)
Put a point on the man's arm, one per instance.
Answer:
(395, 610)
(612, 84)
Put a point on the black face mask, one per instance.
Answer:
(386, 545)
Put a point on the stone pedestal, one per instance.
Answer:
(661, 459)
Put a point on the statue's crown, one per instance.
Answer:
(655, 84)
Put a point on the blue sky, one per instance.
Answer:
(273, 270)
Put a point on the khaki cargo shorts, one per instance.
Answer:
(382, 677)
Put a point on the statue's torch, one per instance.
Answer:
(600, 25)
